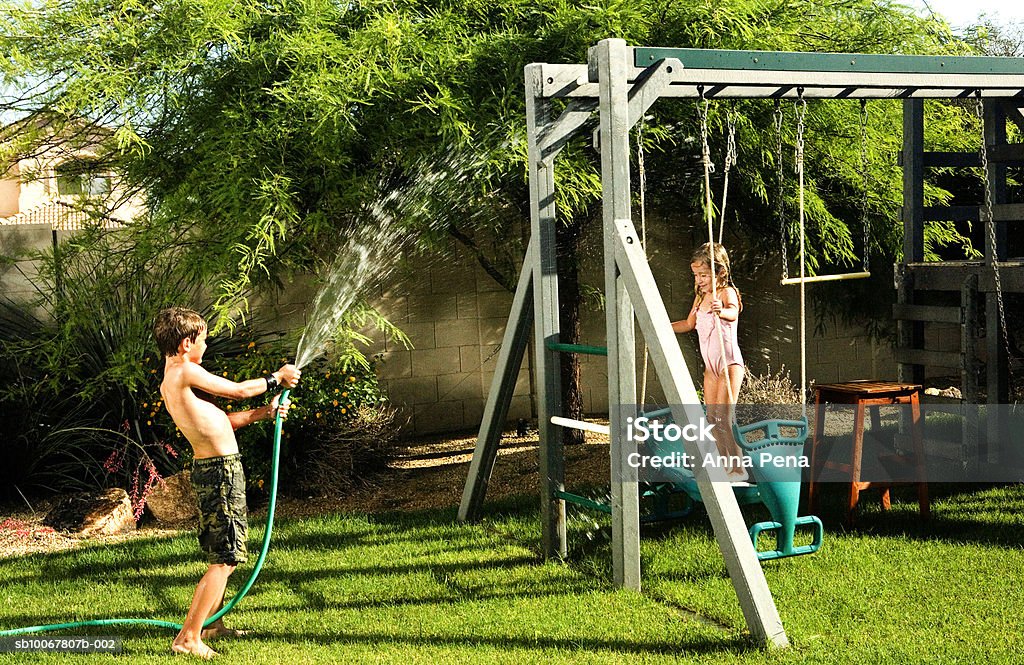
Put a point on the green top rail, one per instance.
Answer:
(862, 63)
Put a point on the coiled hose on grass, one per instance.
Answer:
(278, 427)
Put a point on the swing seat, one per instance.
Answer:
(778, 482)
(776, 468)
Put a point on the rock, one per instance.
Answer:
(931, 391)
(173, 500)
(953, 392)
(93, 513)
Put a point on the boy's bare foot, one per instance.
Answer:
(218, 629)
(194, 648)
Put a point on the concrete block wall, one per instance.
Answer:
(17, 277)
(455, 316)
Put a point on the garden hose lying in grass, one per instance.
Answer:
(278, 427)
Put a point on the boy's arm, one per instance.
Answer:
(198, 378)
(242, 418)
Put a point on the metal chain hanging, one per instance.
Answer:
(801, 114)
(780, 204)
(705, 156)
(865, 184)
(729, 161)
(990, 223)
(642, 177)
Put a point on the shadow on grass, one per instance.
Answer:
(539, 643)
(965, 514)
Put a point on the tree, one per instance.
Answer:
(259, 131)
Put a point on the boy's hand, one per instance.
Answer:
(278, 407)
(288, 376)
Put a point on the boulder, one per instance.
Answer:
(173, 501)
(99, 513)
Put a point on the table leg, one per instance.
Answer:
(917, 434)
(876, 428)
(819, 430)
(858, 452)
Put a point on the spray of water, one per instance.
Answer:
(419, 203)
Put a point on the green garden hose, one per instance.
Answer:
(278, 427)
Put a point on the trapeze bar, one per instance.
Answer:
(825, 278)
(580, 424)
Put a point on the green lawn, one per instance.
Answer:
(422, 589)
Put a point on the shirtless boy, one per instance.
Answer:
(217, 474)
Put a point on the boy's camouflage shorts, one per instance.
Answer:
(219, 483)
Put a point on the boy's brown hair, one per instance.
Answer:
(175, 324)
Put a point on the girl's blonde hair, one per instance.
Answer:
(722, 267)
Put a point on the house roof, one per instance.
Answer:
(62, 216)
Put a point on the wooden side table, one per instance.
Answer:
(865, 395)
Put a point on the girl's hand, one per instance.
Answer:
(716, 306)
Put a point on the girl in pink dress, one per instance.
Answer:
(717, 303)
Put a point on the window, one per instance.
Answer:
(78, 178)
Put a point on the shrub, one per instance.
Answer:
(338, 417)
(768, 396)
(82, 401)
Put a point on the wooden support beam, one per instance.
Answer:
(910, 334)
(610, 60)
(510, 359)
(1008, 154)
(935, 159)
(544, 261)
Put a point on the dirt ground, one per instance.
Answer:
(425, 474)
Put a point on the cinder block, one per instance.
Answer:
(473, 413)
(492, 330)
(456, 332)
(439, 417)
(466, 304)
(494, 304)
(433, 362)
(485, 283)
(426, 307)
(454, 278)
(469, 358)
(460, 387)
(395, 365)
(420, 334)
(413, 390)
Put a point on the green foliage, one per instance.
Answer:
(83, 402)
(259, 132)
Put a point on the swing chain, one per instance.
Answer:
(642, 173)
(780, 210)
(702, 114)
(990, 223)
(729, 161)
(865, 183)
(801, 112)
